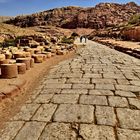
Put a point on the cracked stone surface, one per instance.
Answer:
(93, 96)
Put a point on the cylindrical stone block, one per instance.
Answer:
(38, 58)
(32, 61)
(8, 55)
(2, 56)
(19, 55)
(9, 71)
(24, 60)
(21, 68)
(5, 61)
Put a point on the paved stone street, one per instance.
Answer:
(94, 96)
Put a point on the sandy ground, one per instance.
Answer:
(125, 44)
(33, 76)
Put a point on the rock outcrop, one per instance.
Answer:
(101, 16)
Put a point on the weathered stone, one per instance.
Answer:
(134, 102)
(103, 81)
(105, 86)
(93, 100)
(123, 82)
(58, 131)
(45, 113)
(126, 134)
(11, 130)
(136, 83)
(96, 132)
(79, 80)
(83, 86)
(105, 115)
(50, 91)
(125, 93)
(26, 112)
(128, 88)
(74, 91)
(74, 113)
(128, 118)
(117, 101)
(65, 98)
(57, 86)
(43, 98)
(92, 75)
(101, 92)
(30, 131)
(9, 71)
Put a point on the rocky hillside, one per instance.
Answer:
(5, 18)
(101, 16)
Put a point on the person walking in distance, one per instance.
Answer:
(81, 38)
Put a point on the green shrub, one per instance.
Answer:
(67, 40)
(9, 42)
(135, 19)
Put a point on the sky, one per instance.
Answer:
(20, 7)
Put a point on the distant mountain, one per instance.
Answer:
(101, 16)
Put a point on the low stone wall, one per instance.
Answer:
(129, 51)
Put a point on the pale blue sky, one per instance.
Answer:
(18, 7)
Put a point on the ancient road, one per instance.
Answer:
(94, 96)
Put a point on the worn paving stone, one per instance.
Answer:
(58, 131)
(45, 113)
(93, 100)
(65, 98)
(50, 91)
(105, 86)
(136, 83)
(126, 134)
(11, 130)
(26, 112)
(78, 80)
(124, 93)
(43, 98)
(105, 115)
(74, 113)
(101, 92)
(117, 101)
(128, 118)
(92, 75)
(53, 81)
(104, 81)
(123, 82)
(30, 131)
(57, 86)
(134, 102)
(83, 86)
(113, 76)
(74, 91)
(128, 88)
(96, 132)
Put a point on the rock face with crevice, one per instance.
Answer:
(101, 16)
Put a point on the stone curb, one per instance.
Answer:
(12, 89)
(132, 52)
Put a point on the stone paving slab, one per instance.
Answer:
(93, 96)
(74, 113)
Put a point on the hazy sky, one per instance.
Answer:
(18, 7)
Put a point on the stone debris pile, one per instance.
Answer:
(30, 50)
